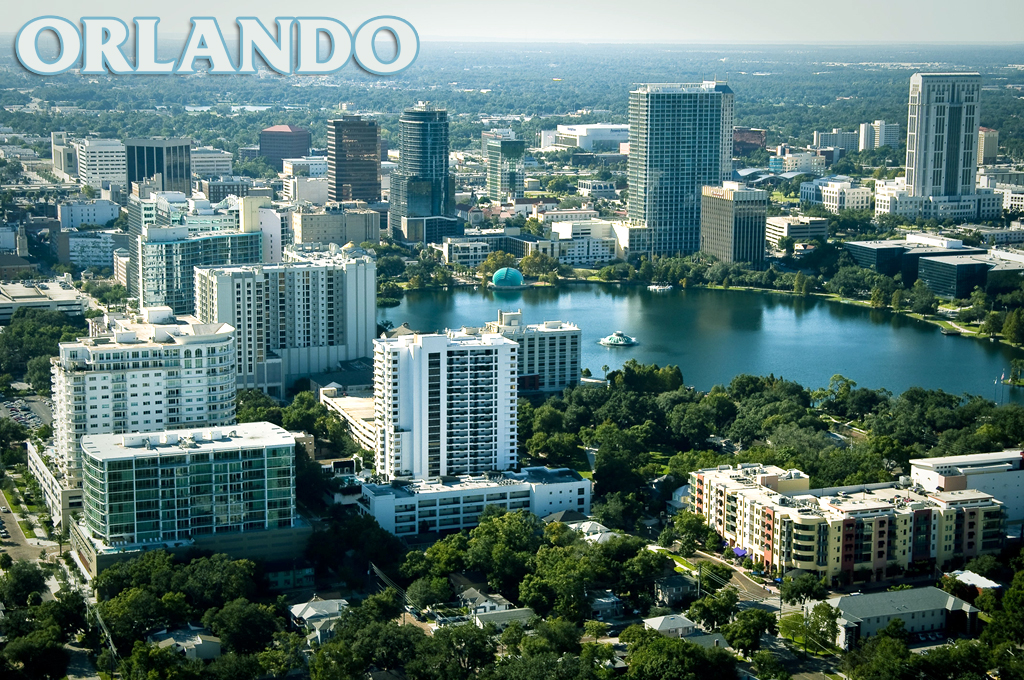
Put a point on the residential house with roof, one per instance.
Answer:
(317, 617)
(672, 625)
(193, 642)
(922, 610)
(479, 602)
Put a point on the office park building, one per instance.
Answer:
(732, 223)
(154, 373)
(191, 487)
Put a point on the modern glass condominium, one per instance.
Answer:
(680, 139)
(167, 486)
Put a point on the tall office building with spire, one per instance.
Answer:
(942, 133)
(680, 140)
(353, 159)
(942, 153)
(422, 206)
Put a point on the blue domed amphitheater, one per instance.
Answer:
(507, 277)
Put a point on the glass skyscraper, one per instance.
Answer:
(680, 140)
(422, 191)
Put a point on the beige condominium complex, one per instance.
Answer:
(865, 533)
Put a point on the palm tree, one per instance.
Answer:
(605, 368)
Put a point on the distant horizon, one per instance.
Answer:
(652, 43)
(687, 22)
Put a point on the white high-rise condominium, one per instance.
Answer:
(292, 319)
(156, 373)
(680, 139)
(444, 404)
(942, 134)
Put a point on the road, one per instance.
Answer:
(18, 546)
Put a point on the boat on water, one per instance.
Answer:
(660, 287)
(618, 339)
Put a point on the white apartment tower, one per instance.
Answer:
(549, 352)
(444, 404)
(101, 160)
(159, 372)
(292, 319)
(879, 134)
(942, 134)
(680, 139)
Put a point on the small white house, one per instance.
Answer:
(478, 602)
(673, 625)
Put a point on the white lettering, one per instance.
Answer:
(100, 44)
(206, 42)
(407, 45)
(145, 48)
(309, 45)
(255, 37)
(27, 45)
(103, 40)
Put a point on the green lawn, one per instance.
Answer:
(11, 504)
(26, 529)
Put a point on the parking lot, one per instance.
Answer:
(29, 411)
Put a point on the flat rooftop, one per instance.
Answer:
(876, 245)
(970, 460)
(39, 291)
(994, 263)
(492, 481)
(108, 447)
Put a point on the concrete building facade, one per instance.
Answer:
(207, 161)
(73, 214)
(870, 532)
(148, 374)
(878, 134)
(101, 160)
(336, 223)
(797, 227)
(455, 502)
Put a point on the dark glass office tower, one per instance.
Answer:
(278, 142)
(169, 158)
(422, 205)
(353, 160)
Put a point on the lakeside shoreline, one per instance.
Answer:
(957, 330)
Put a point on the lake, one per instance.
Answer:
(714, 335)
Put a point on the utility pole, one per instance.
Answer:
(700, 571)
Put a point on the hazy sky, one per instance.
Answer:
(707, 21)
